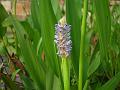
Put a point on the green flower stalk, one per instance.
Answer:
(65, 73)
(83, 28)
(63, 42)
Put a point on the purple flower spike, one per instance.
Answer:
(62, 39)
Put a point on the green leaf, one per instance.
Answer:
(2, 31)
(14, 74)
(2, 49)
(29, 30)
(48, 21)
(73, 18)
(94, 64)
(35, 14)
(50, 79)
(3, 15)
(29, 56)
(56, 8)
(112, 83)
(103, 22)
(7, 22)
(57, 84)
(29, 85)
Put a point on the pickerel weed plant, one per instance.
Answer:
(62, 39)
(61, 45)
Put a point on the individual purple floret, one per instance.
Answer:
(62, 39)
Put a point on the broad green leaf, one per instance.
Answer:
(73, 18)
(56, 8)
(48, 21)
(103, 22)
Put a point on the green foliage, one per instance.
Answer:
(9, 82)
(3, 15)
(94, 64)
(29, 57)
(103, 22)
(30, 51)
(111, 84)
(73, 18)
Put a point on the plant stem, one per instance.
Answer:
(14, 7)
(65, 74)
(83, 28)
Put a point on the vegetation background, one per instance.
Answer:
(28, 59)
